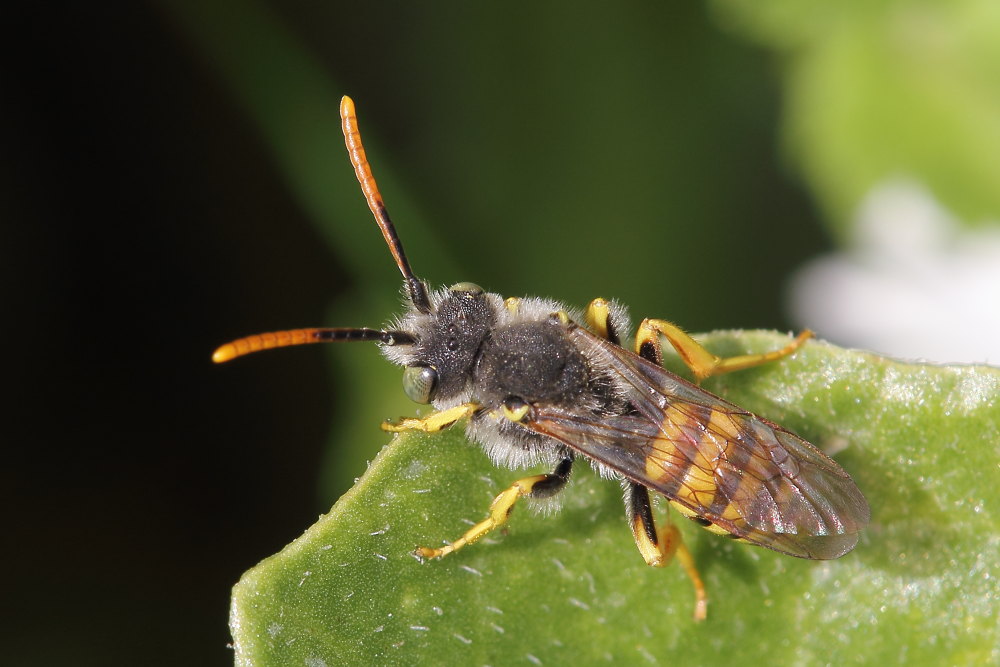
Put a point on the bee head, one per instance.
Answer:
(447, 339)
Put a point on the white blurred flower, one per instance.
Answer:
(914, 285)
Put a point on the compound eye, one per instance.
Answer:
(420, 383)
(470, 288)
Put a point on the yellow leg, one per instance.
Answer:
(434, 421)
(702, 362)
(671, 543)
(659, 547)
(539, 486)
(597, 316)
(598, 319)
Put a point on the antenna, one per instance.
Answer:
(269, 341)
(352, 137)
(414, 288)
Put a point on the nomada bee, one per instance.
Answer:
(538, 383)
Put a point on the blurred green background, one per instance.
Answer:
(175, 177)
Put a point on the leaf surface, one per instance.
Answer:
(920, 441)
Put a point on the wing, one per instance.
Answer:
(714, 461)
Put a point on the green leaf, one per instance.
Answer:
(922, 587)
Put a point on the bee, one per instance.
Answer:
(538, 383)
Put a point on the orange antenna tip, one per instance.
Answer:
(265, 341)
(225, 353)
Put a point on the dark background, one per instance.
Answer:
(148, 215)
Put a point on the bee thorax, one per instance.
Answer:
(533, 361)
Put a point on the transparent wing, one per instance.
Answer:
(714, 461)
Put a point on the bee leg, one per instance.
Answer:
(659, 548)
(599, 320)
(702, 362)
(536, 486)
(433, 422)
